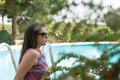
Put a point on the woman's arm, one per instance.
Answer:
(26, 64)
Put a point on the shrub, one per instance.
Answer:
(100, 34)
(89, 69)
(6, 37)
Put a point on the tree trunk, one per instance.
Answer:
(14, 31)
(2, 21)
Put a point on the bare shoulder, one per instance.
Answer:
(31, 53)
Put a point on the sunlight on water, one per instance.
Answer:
(6, 67)
(4, 62)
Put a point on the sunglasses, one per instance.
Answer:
(44, 34)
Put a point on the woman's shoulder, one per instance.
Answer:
(31, 52)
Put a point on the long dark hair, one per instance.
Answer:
(30, 38)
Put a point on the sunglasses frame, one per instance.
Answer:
(43, 34)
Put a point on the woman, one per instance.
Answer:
(32, 64)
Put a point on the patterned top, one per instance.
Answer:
(38, 70)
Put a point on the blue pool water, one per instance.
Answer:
(89, 50)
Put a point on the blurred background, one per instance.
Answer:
(68, 21)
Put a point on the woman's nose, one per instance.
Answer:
(46, 36)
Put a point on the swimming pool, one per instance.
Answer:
(88, 49)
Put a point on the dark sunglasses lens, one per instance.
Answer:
(43, 34)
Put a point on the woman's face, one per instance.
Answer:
(43, 36)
